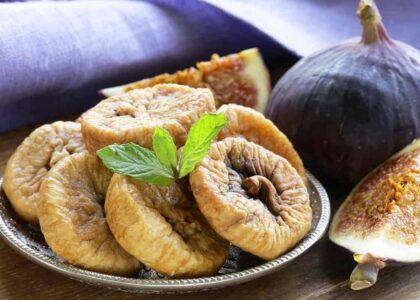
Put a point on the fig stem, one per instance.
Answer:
(366, 272)
(372, 26)
(364, 276)
(368, 11)
(254, 184)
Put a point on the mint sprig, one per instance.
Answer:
(137, 162)
(160, 166)
(165, 148)
(199, 140)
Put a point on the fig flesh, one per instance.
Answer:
(240, 78)
(72, 218)
(379, 221)
(342, 104)
(163, 228)
(254, 127)
(252, 197)
(28, 166)
(133, 117)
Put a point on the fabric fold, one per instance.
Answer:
(54, 56)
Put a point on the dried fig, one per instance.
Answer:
(28, 166)
(163, 228)
(252, 197)
(132, 117)
(254, 127)
(72, 219)
(240, 78)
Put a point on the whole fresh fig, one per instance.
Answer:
(350, 107)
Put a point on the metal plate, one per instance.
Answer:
(240, 266)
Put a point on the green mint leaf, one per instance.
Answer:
(137, 162)
(199, 140)
(165, 148)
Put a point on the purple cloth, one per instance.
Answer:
(306, 26)
(54, 56)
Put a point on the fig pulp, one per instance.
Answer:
(380, 220)
(240, 78)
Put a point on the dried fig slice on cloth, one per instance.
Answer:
(254, 127)
(28, 166)
(132, 117)
(252, 197)
(163, 228)
(72, 218)
(240, 78)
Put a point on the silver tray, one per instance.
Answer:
(240, 266)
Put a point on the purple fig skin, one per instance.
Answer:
(350, 107)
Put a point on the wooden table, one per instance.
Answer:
(322, 273)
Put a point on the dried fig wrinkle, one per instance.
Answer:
(163, 228)
(252, 197)
(72, 218)
(132, 117)
(254, 127)
(28, 166)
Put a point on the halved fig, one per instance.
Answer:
(379, 221)
(28, 166)
(252, 197)
(163, 228)
(72, 218)
(254, 127)
(240, 78)
(133, 117)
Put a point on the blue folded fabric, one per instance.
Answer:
(54, 56)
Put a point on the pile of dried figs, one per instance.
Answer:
(160, 177)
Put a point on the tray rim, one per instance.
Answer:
(176, 285)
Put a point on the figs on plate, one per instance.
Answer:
(348, 108)
(72, 219)
(252, 197)
(163, 228)
(133, 117)
(28, 166)
(254, 127)
(379, 221)
(240, 78)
